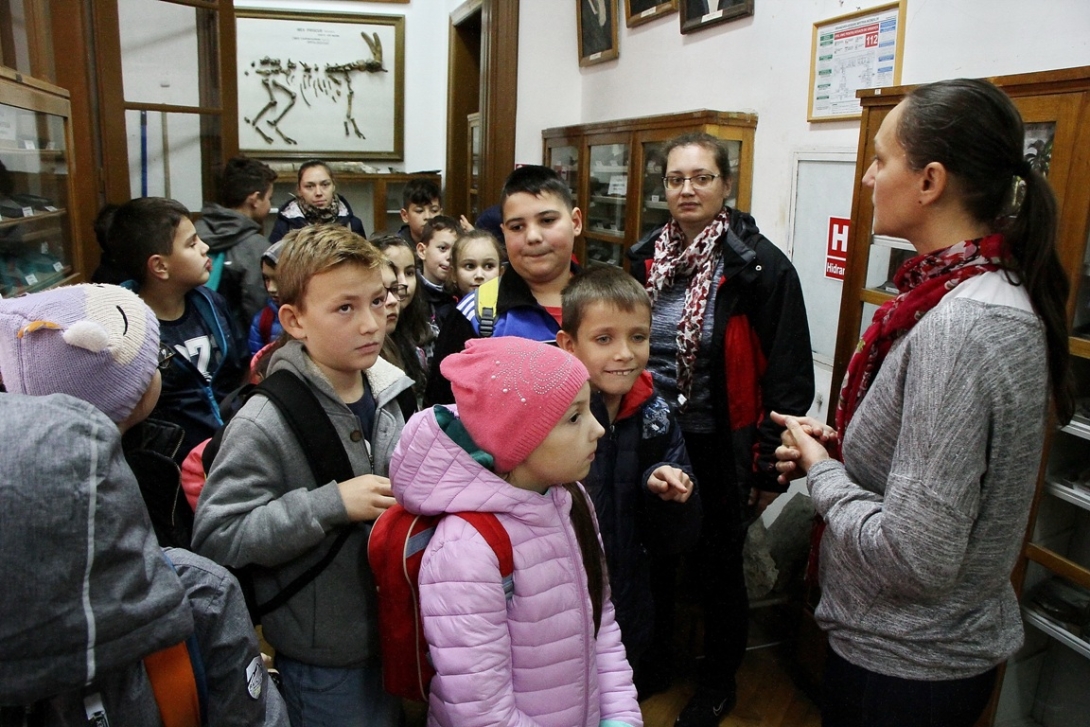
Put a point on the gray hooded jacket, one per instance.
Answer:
(88, 593)
(241, 241)
(261, 505)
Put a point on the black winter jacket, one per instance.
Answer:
(634, 522)
(768, 364)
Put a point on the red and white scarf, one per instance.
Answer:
(923, 281)
(698, 261)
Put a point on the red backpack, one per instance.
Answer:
(395, 551)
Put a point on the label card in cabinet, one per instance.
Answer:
(50, 208)
(618, 184)
(58, 266)
(28, 212)
(31, 279)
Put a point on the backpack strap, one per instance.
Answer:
(216, 275)
(326, 456)
(488, 295)
(172, 673)
(178, 680)
(493, 532)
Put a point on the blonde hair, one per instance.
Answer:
(315, 249)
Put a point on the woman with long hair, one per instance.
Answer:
(942, 418)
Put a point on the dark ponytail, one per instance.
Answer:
(974, 130)
(582, 520)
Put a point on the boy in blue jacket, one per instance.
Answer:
(169, 265)
(641, 479)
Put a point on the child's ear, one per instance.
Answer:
(421, 250)
(254, 198)
(577, 220)
(565, 341)
(291, 322)
(158, 267)
(405, 215)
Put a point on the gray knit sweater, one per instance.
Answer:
(926, 516)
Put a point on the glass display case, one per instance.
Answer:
(36, 250)
(374, 198)
(615, 171)
(1044, 684)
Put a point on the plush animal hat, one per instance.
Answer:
(511, 392)
(99, 343)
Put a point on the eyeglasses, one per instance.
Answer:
(401, 292)
(699, 181)
(165, 354)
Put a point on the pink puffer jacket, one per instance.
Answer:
(532, 660)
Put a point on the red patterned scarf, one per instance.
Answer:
(697, 260)
(923, 281)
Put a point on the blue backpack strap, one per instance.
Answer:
(217, 270)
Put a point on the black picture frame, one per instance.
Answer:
(638, 12)
(700, 14)
(597, 22)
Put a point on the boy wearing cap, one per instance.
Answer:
(88, 593)
(261, 504)
(154, 238)
(265, 327)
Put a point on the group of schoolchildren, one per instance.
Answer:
(524, 385)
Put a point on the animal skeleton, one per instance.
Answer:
(333, 80)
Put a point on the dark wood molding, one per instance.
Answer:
(499, 85)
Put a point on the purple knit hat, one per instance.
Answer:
(99, 343)
(511, 392)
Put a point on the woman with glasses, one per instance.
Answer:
(315, 202)
(729, 344)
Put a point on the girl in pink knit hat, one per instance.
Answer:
(516, 443)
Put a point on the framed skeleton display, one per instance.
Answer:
(320, 85)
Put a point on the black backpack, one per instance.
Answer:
(327, 460)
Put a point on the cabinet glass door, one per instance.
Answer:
(35, 250)
(564, 160)
(653, 210)
(608, 189)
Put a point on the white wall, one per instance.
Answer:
(761, 64)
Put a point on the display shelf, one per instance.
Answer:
(36, 217)
(655, 205)
(895, 243)
(1079, 427)
(1067, 493)
(607, 199)
(1053, 629)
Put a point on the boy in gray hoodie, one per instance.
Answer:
(261, 504)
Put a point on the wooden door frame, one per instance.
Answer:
(497, 101)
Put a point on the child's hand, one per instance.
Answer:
(670, 484)
(465, 224)
(366, 497)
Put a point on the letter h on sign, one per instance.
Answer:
(836, 249)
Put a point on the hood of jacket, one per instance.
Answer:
(431, 474)
(222, 228)
(384, 379)
(87, 590)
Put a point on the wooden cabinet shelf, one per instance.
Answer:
(615, 168)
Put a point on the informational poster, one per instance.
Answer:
(860, 50)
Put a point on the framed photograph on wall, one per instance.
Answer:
(700, 14)
(863, 49)
(638, 12)
(320, 85)
(597, 20)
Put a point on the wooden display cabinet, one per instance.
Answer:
(1044, 684)
(36, 221)
(374, 198)
(615, 169)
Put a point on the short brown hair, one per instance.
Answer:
(315, 249)
(600, 284)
